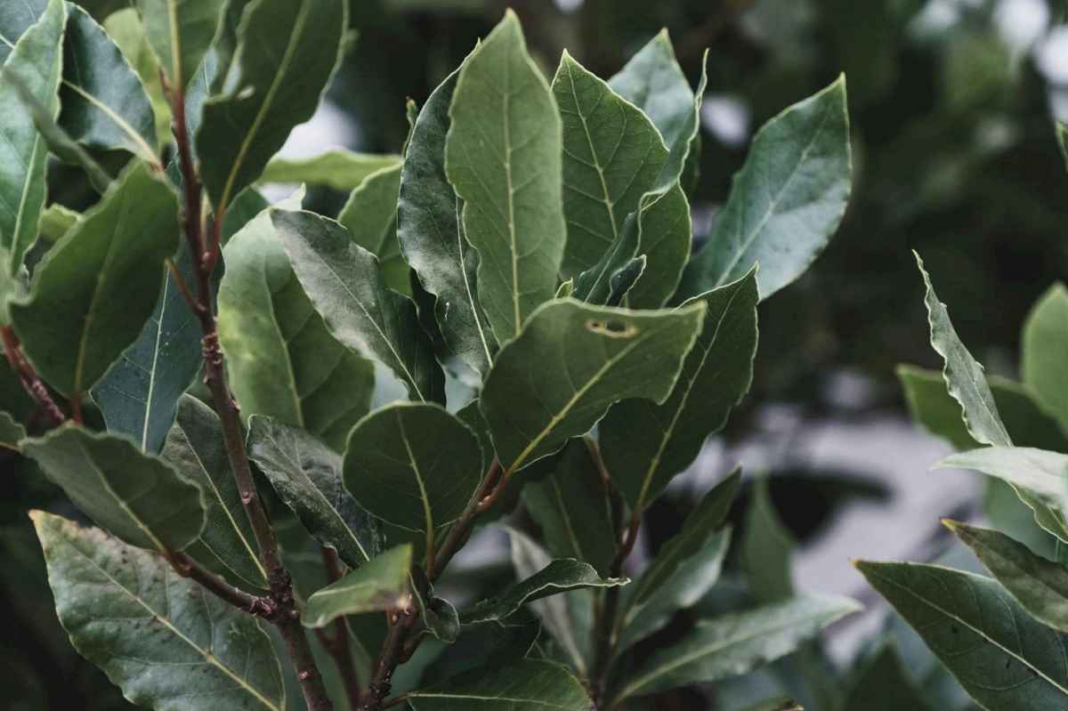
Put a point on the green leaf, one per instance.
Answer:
(307, 476)
(527, 685)
(560, 576)
(283, 362)
(503, 156)
(370, 216)
(1045, 338)
(139, 394)
(1039, 473)
(196, 449)
(1039, 585)
(105, 105)
(11, 431)
(437, 617)
(766, 548)
(1002, 657)
(346, 284)
(287, 54)
(666, 232)
(613, 155)
(594, 285)
(99, 285)
(429, 227)
(1062, 139)
(572, 362)
(786, 202)
(135, 496)
(56, 221)
(413, 465)
(736, 643)
(379, 584)
(571, 507)
(338, 169)
(15, 19)
(124, 28)
(646, 444)
(34, 65)
(165, 641)
(884, 685)
(180, 33)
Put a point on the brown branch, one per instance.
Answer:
(188, 568)
(279, 581)
(31, 382)
(338, 645)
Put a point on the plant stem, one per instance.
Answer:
(281, 586)
(31, 382)
(338, 645)
(187, 567)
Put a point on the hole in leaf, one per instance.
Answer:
(612, 328)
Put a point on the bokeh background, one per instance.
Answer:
(952, 104)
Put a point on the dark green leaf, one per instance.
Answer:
(437, 617)
(180, 33)
(135, 496)
(306, 474)
(346, 284)
(370, 216)
(594, 286)
(1045, 339)
(379, 584)
(786, 202)
(503, 156)
(1003, 658)
(767, 548)
(572, 362)
(100, 283)
(168, 643)
(527, 685)
(340, 170)
(884, 685)
(10, 432)
(645, 444)
(666, 232)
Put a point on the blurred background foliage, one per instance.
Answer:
(952, 105)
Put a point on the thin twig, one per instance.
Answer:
(31, 382)
(194, 305)
(187, 567)
(338, 644)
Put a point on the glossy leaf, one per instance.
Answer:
(105, 105)
(91, 297)
(180, 33)
(612, 156)
(429, 228)
(346, 284)
(165, 641)
(379, 584)
(283, 361)
(1002, 657)
(413, 465)
(269, 92)
(34, 65)
(1045, 338)
(196, 449)
(1038, 584)
(338, 169)
(560, 576)
(370, 216)
(572, 362)
(527, 685)
(306, 474)
(734, 644)
(503, 156)
(134, 496)
(786, 202)
(645, 444)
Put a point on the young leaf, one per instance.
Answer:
(612, 156)
(571, 507)
(379, 584)
(282, 360)
(437, 617)
(1045, 338)
(345, 283)
(1035, 471)
(164, 640)
(503, 155)
(139, 394)
(560, 576)
(666, 232)
(56, 221)
(574, 361)
(646, 444)
(287, 54)
(736, 643)
(180, 32)
(306, 474)
(100, 283)
(10, 432)
(429, 228)
(1002, 657)
(594, 285)
(134, 496)
(1039, 585)
(884, 685)
(526, 685)
(786, 202)
(338, 169)
(196, 449)
(34, 66)
(413, 465)
(370, 216)
(105, 105)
